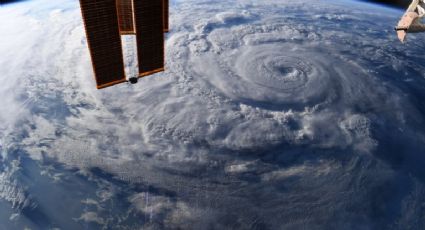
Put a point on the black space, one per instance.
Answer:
(400, 3)
(3, 2)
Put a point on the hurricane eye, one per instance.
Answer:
(286, 71)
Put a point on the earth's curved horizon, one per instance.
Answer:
(270, 115)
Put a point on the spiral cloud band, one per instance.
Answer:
(270, 115)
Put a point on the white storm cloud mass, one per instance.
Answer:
(270, 115)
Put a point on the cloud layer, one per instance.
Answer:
(270, 115)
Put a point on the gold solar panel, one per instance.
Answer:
(104, 41)
(166, 15)
(149, 21)
(125, 16)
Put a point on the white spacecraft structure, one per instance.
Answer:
(411, 20)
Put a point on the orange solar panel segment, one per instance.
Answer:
(166, 15)
(125, 16)
(150, 35)
(104, 41)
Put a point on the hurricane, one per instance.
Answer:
(269, 115)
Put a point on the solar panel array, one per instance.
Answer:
(149, 21)
(106, 20)
(125, 16)
(166, 14)
(104, 41)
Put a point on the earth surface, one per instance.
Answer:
(270, 115)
